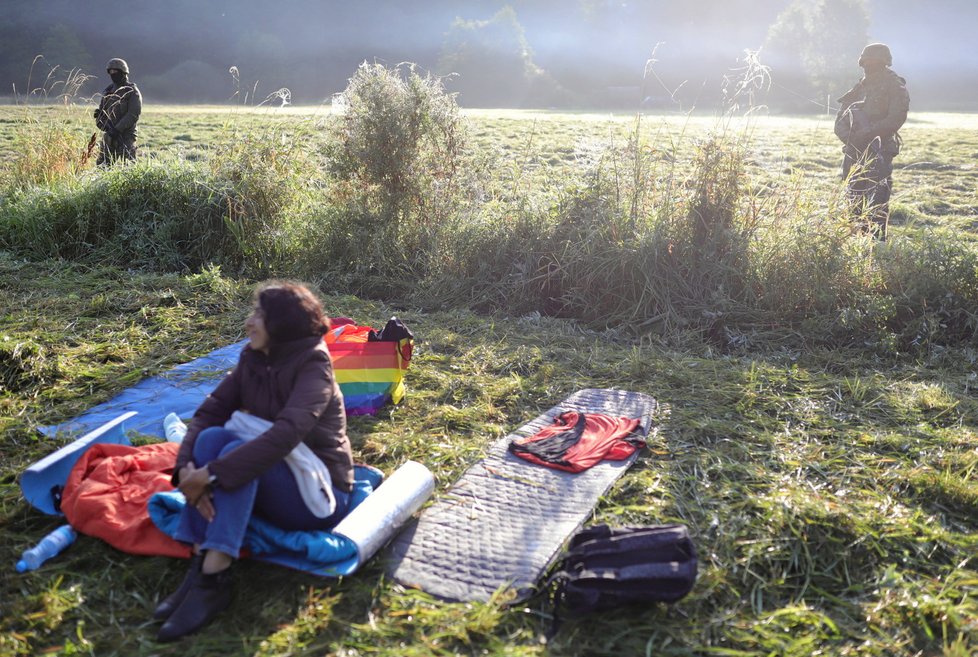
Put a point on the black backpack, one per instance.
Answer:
(606, 567)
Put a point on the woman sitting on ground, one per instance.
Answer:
(285, 376)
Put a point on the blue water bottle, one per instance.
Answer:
(49, 546)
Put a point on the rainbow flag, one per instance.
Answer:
(370, 374)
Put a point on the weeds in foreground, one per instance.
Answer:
(262, 179)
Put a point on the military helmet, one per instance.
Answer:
(117, 63)
(876, 52)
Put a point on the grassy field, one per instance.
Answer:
(830, 487)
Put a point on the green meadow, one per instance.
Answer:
(819, 433)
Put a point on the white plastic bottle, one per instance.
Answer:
(173, 428)
(49, 546)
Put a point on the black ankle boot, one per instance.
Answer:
(165, 608)
(207, 597)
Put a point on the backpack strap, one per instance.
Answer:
(641, 571)
(666, 543)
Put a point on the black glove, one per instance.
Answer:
(109, 128)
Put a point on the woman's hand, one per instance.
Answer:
(195, 486)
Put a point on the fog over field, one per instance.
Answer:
(524, 53)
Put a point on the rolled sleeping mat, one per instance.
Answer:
(383, 512)
(42, 482)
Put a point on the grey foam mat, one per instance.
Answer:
(505, 520)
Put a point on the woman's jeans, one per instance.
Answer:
(274, 496)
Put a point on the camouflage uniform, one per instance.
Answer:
(117, 115)
(870, 115)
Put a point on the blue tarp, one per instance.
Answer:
(140, 408)
(180, 390)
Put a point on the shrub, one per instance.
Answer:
(396, 156)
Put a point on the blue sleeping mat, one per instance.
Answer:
(505, 521)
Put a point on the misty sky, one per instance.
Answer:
(545, 52)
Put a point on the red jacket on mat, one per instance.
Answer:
(577, 441)
(107, 491)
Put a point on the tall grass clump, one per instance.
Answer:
(705, 239)
(150, 214)
(657, 243)
(168, 214)
(49, 143)
(933, 283)
(806, 260)
(639, 238)
(263, 180)
(490, 262)
(518, 253)
(814, 267)
(45, 152)
(668, 240)
(398, 169)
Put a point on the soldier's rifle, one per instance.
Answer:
(87, 155)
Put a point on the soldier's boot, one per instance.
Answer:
(880, 222)
(880, 215)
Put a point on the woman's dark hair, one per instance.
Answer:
(291, 311)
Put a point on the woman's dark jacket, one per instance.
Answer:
(293, 387)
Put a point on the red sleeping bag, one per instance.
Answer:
(107, 491)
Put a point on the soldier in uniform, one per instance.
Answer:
(117, 115)
(870, 114)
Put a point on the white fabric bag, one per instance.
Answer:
(311, 474)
